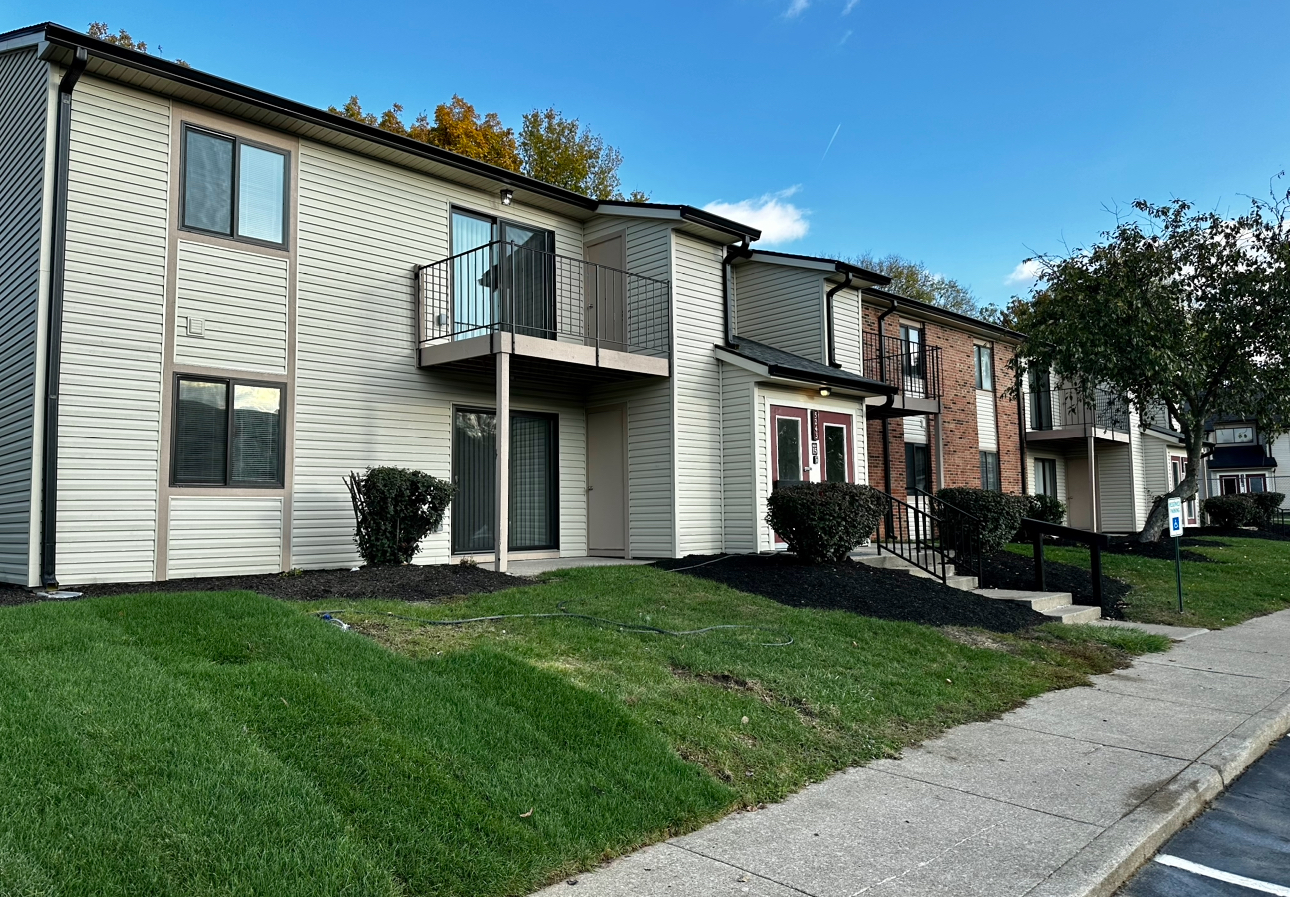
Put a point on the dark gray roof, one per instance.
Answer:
(796, 367)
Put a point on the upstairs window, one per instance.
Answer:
(232, 188)
(1234, 435)
(984, 359)
(227, 433)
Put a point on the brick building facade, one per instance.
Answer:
(961, 420)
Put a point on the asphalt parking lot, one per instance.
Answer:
(1240, 846)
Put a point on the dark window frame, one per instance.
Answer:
(230, 385)
(554, 417)
(238, 142)
(913, 452)
(977, 351)
(1048, 465)
(994, 471)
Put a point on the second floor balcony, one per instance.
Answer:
(504, 296)
(913, 367)
(1068, 413)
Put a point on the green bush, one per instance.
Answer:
(1229, 511)
(825, 521)
(394, 508)
(1246, 509)
(1046, 508)
(1266, 504)
(1000, 514)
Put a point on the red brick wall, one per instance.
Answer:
(959, 439)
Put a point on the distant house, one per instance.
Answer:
(1242, 458)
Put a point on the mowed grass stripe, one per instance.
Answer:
(227, 743)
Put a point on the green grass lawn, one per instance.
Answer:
(1251, 578)
(226, 743)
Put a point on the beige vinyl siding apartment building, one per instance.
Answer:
(219, 302)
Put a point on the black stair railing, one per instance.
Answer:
(930, 534)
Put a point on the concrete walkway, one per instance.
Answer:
(1067, 795)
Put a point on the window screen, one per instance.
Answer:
(257, 432)
(984, 356)
(533, 492)
(990, 477)
(260, 183)
(1046, 477)
(207, 414)
(918, 467)
(208, 182)
(201, 432)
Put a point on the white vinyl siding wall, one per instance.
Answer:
(699, 325)
(360, 398)
(649, 403)
(24, 110)
(114, 317)
(241, 299)
(741, 459)
(846, 330)
(782, 307)
(987, 431)
(1115, 488)
(231, 536)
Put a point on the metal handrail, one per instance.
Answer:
(960, 534)
(914, 368)
(912, 534)
(504, 286)
(1095, 542)
(1053, 409)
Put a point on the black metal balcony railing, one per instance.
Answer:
(508, 287)
(1055, 409)
(912, 367)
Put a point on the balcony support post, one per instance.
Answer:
(1092, 482)
(501, 535)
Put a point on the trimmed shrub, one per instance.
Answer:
(1266, 505)
(1000, 514)
(394, 508)
(1047, 508)
(1230, 511)
(825, 521)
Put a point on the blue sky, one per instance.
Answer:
(971, 135)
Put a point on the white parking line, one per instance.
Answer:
(1252, 883)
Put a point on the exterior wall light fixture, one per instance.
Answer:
(824, 391)
(507, 195)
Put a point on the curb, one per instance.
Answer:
(1109, 860)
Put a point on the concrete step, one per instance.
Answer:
(1040, 601)
(1074, 613)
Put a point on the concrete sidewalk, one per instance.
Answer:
(1064, 796)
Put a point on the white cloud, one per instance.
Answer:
(796, 8)
(1025, 272)
(851, 4)
(846, 35)
(778, 220)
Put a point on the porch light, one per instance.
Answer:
(824, 391)
(506, 196)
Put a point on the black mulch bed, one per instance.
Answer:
(409, 583)
(861, 589)
(1006, 570)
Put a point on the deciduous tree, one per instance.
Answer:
(100, 31)
(1175, 308)
(915, 280)
(564, 152)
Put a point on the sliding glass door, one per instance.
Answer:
(534, 492)
(502, 273)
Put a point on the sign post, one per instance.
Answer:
(1176, 530)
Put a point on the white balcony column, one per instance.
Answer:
(502, 533)
(1092, 482)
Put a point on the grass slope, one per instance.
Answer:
(227, 743)
(1251, 578)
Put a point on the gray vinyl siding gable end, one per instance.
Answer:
(781, 306)
(24, 126)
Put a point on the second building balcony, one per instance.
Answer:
(504, 297)
(1054, 415)
(913, 367)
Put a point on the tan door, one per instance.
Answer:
(607, 483)
(1079, 508)
(606, 321)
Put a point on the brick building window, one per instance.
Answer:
(990, 475)
(983, 356)
(918, 468)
